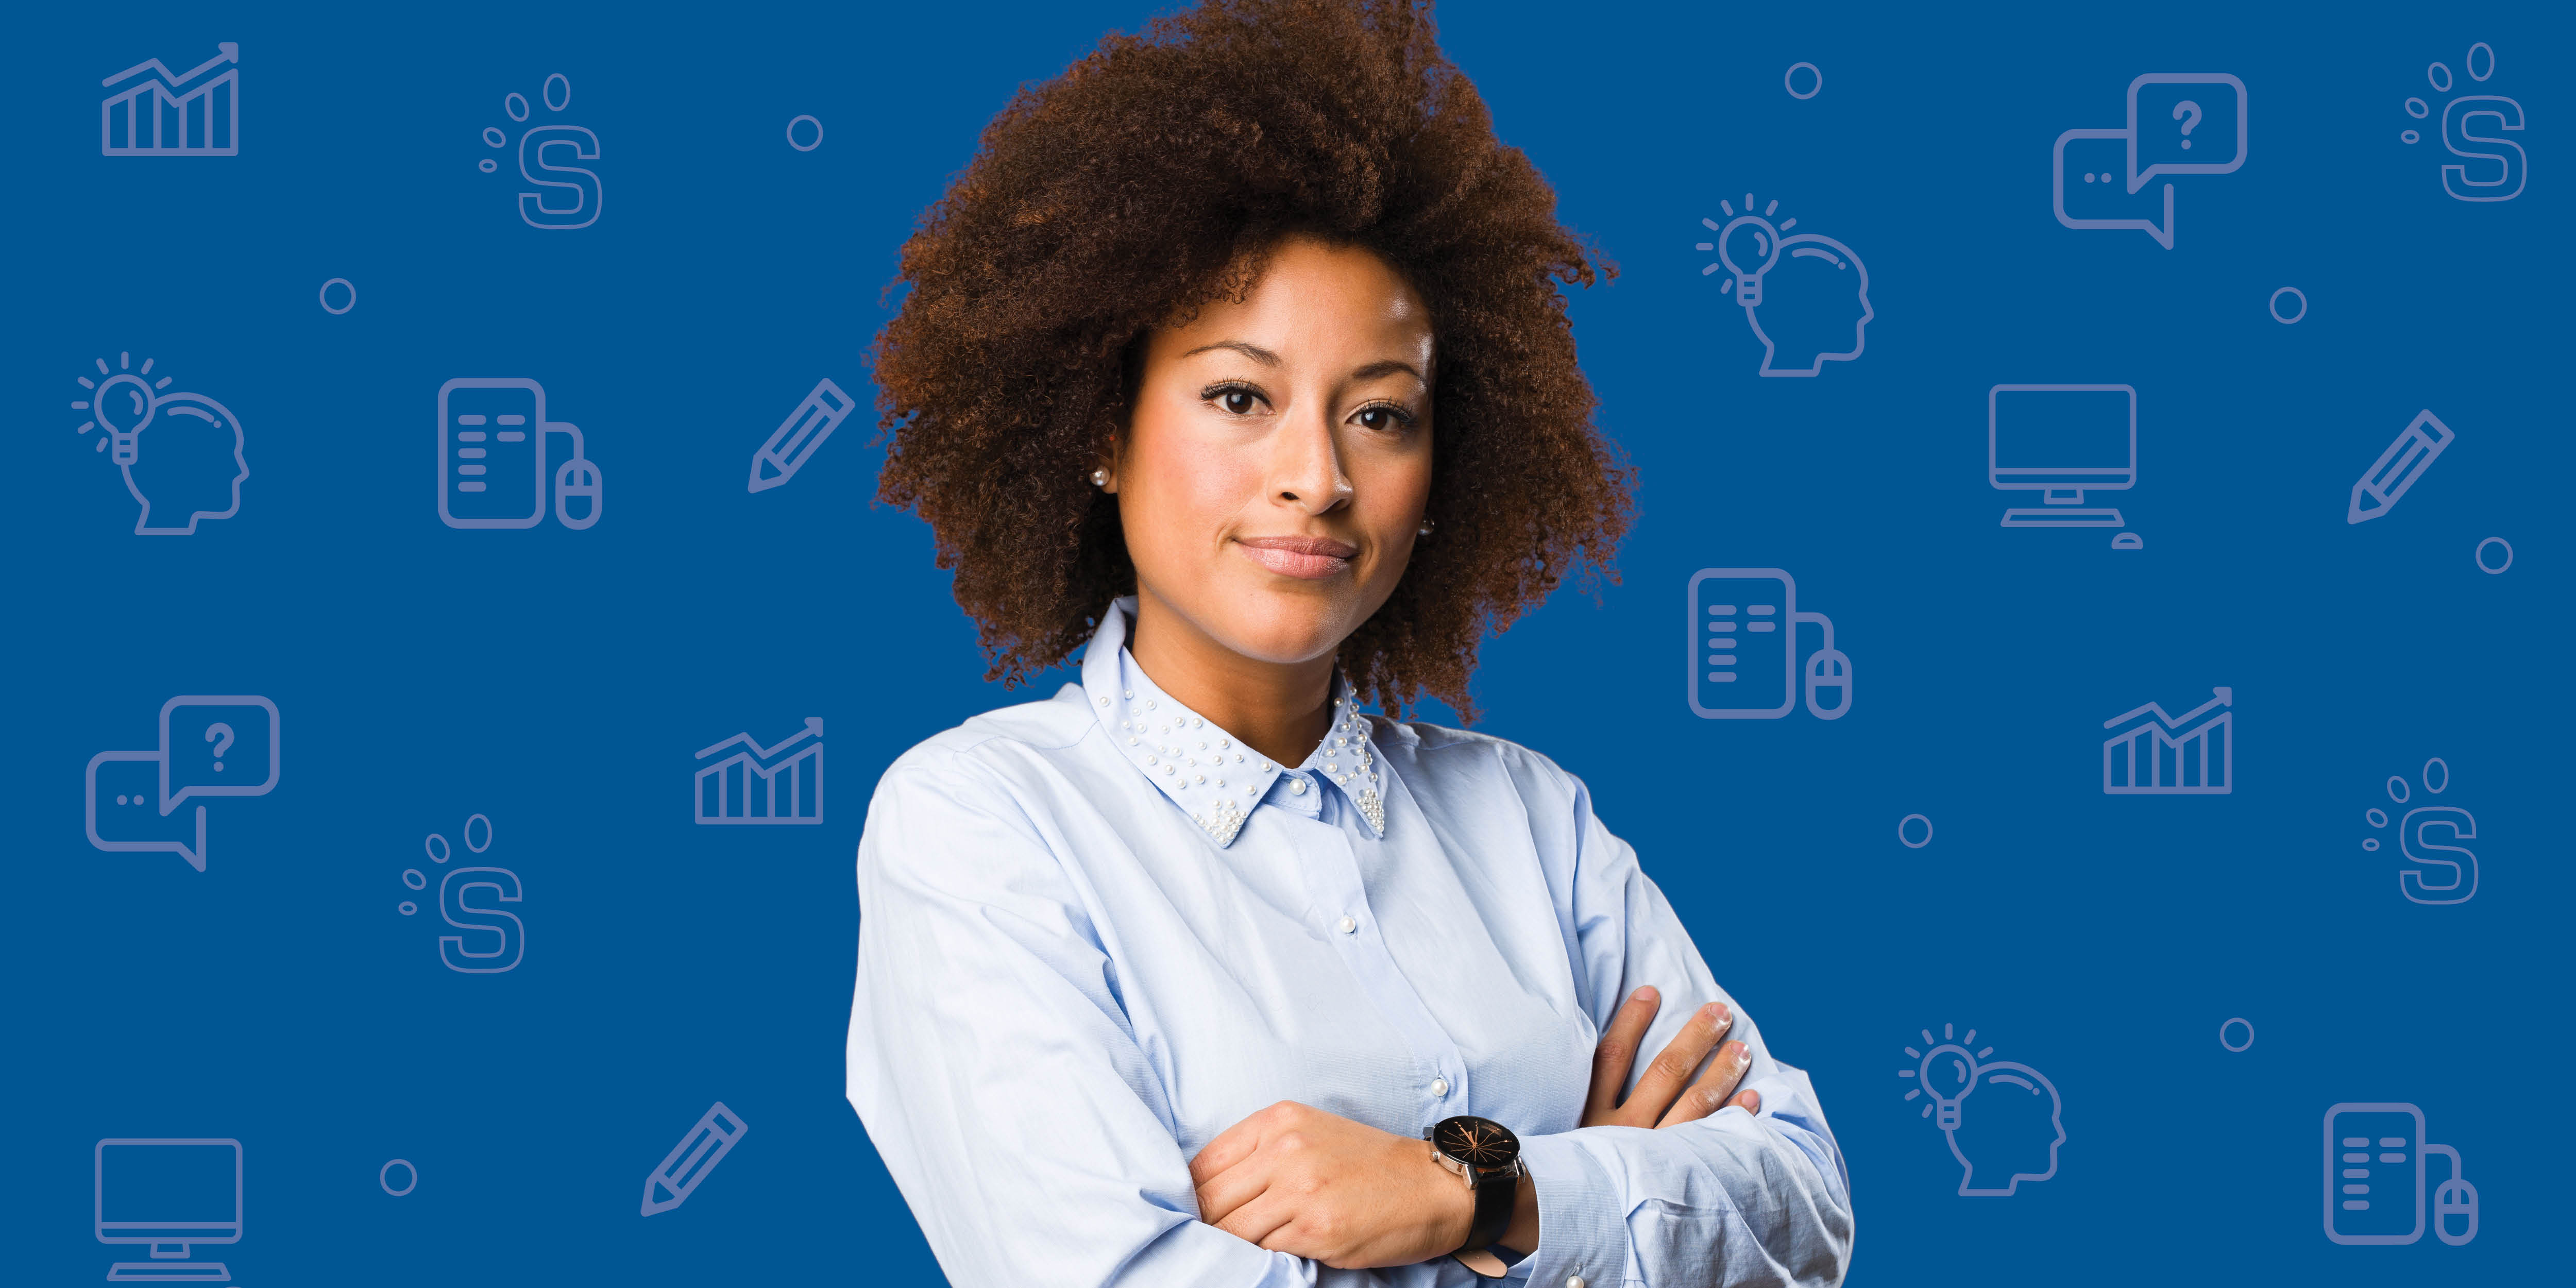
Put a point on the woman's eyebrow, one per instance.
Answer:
(1252, 351)
(1388, 367)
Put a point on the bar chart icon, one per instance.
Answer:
(748, 784)
(161, 113)
(2155, 754)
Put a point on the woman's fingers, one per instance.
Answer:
(1618, 1053)
(1671, 1070)
(1710, 1093)
(1222, 1196)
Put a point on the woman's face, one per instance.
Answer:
(1278, 459)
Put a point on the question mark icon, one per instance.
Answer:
(2187, 126)
(222, 736)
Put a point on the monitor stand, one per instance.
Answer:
(169, 1272)
(2059, 516)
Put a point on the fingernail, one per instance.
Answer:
(1743, 1053)
(1753, 1103)
(1644, 993)
(1714, 1012)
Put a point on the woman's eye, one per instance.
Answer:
(1382, 418)
(1238, 401)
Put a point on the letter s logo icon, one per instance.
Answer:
(2457, 118)
(581, 187)
(2412, 842)
(503, 885)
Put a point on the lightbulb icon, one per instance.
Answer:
(1945, 1071)
(1747, 246)
(122, 404)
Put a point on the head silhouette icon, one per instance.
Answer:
(186, 464)
(1812, 306)
(2008, 1130)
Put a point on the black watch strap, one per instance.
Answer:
(1495, 1197)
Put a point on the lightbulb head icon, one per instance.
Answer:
(2017, 1124)
(1806, 296)
(195, 466)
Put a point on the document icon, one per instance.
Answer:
(764, 785)
(2154, 754)
(174, 114)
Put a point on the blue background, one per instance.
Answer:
(559, 682)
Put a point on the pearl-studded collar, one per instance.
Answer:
(1200, 766)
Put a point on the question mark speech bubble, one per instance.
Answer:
(2179, 125)
(223, 746)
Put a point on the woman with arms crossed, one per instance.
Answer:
(1236, 359)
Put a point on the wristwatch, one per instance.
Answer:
(1487, 1156)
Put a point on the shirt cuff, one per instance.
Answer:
(1582, 1229)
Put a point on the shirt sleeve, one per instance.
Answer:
(994, 1067)
(1734, 1199)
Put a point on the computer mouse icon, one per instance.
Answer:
(1829, 668)
(2455, 1198)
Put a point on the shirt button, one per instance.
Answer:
(1347, 925)
(1439, 1086)
(1296, 786)
(1574, 1281)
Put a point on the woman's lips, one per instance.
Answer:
(1306, 558)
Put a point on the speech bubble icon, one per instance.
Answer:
(217, 746)
(2090, 191)
(123, 813)
(2185, 123)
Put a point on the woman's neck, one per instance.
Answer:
(1280, 709)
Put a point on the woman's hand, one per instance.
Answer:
(1665, 1097)
(1298, 1180)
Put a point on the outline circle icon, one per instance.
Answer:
(805, 147)
(487, 165)
(1789, 81)
(487, 831)
(2398, 791)
(384, 1177)
(1911, 844)
(548, 90)
(325, 296)
(2235, 1019)
(437, 848)
(2471, 62)
(2481, 555)
(2275, 305)
(2409, 136)
(412, 877)
(407, 908)
(516, 105)
(2428, 775)
(2417, 108)
(2443, 84)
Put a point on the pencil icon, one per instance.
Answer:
(668, 1186)
(805, 429)
(2397, 468)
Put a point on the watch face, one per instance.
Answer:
(1480, 1143)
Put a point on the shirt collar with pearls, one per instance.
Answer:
(1203, 768)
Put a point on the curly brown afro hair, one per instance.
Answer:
(1152, 178)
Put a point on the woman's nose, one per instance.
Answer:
(1306, 466)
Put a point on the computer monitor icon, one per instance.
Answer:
(2062, 441)
(169, 1194)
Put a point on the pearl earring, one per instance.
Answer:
(1425, 529)
(1100, 478)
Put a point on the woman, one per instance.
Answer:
(1236, 360)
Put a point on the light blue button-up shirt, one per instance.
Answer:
(1097, 931)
